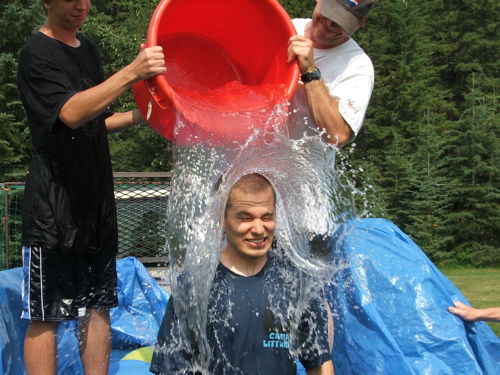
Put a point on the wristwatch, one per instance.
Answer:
(311, 76)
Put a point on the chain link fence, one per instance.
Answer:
(141, 203)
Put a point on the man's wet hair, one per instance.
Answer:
(253, 183)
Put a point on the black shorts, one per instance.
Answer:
(61, 286)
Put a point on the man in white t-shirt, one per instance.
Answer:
(337, 75)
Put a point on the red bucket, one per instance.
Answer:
(210, 43)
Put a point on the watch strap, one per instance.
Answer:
(311, 75)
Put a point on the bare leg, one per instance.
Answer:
(40, 348)
(95, 342)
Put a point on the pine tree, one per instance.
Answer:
(429, 198)
(119, 27)
(406, 87)
(16, 24)
(468, 31)
(298, 8)
(476, 166)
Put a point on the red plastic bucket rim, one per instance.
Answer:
(152, 41)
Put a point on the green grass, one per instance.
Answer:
(479, 286)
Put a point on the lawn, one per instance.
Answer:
(480, 286)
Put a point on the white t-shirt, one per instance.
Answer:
(348, 74)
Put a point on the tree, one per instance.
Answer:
(468, 32)
(119, 28)
(428, 200)
(16, 24)
(406, 87)
(427, 156)
(475, 165)
(298, 8)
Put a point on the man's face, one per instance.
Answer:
(325, 33)
(250, 223)
(67, 14)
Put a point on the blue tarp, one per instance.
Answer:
(390, 311)
(135, 322)
(389, 303)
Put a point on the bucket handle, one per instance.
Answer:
(156, 94)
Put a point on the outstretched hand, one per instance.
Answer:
(465, 312)
(490, 314)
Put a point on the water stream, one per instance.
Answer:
(313, 206)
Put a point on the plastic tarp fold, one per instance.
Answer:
(390, 307)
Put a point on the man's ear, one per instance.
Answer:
(362, 22)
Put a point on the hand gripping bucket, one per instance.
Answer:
(208, 44)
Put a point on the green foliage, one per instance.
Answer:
(476, 196)
(119, 28)
(10, 205)
(469, 31)
(427, 157)
(141, 144)
(477, 255)
(17, 22)
(429, 147)
(19, 19)
(148, 232)
(428, 197)
(298, 8)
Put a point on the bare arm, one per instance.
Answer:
(323, 107)
(122, 121)
(326, 115)
(87, 104)
(475, 315)
(325, 369)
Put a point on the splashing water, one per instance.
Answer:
(312, 208)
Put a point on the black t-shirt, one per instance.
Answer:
(250, 327)
(69, 198)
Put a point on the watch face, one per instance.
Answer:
(312, 75)
(315, 74)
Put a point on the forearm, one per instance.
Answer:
(89, 103)
(122, 121)
(489, 315)
(325, 113)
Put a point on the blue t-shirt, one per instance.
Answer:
(254, 326)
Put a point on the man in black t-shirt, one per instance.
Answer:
(69, 218)
(263, 312)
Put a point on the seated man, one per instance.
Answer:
(255, 324)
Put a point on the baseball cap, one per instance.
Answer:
(346, 13)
